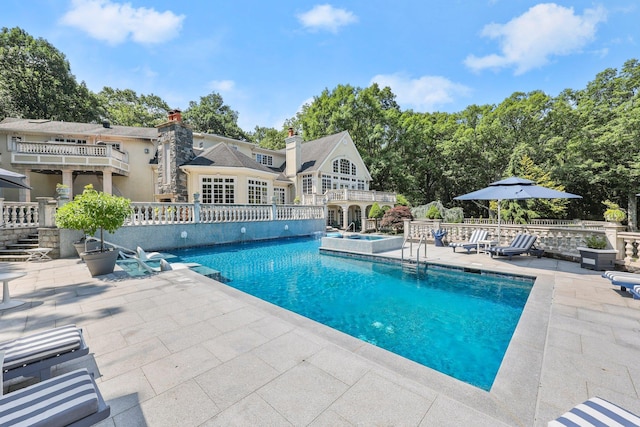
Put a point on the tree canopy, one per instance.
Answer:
(586, 140)
(36, 82)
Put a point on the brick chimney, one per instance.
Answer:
(175, 116)
(293, 154)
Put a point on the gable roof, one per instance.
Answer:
(314, 153)
(221, 155)
(95, 129)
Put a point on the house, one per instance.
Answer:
(170, 163)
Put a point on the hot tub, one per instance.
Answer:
(362, 243)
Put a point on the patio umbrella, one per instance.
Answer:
(515, 188)
(10, 179)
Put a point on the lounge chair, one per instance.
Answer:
(168, 266)
(629, 282)
(35, 355)
(476, 236)
(522, 243)
(144, 256)
(71, 399)
(596, 412)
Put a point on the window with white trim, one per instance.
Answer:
(279, 193)
(257, 192)
(264, 159)
(218, 190)
(326, 183)
(307, 184)
(344, 167)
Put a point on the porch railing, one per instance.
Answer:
(19, 214)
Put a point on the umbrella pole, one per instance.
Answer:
(499, 219)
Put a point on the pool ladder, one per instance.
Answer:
(409, 265)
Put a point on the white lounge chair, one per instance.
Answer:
(596, 412)
(35, 355)
(144, 256)
(476, 236)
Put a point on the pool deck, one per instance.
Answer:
(176, 348)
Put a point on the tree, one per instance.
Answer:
(394, 218)
(36, 82)
(124, 107)
(211, 115)
(269, 137)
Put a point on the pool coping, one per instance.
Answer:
(514, 393)
(513, 396)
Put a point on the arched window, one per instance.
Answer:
(344, 167)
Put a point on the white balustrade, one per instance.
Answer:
(19, 214)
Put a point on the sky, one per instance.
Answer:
(268, 58)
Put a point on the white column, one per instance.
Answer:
(363, 219)
(67, 179)
(107, 186)
(24, 195)
(345, 216)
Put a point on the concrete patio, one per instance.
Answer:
(176, 348)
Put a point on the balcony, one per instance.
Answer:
(346, 196)
(57, 155)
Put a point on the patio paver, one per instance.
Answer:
(177, 348)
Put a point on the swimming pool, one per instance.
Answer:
(457, 323)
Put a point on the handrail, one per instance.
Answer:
(354, 227)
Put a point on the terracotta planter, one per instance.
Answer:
(100, 263)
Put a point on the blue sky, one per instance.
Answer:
(267, 58)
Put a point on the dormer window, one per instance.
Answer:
(264, 159)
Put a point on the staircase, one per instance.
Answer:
(15, 251)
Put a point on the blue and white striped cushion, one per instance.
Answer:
(473, 240)
(596, 412)
(40, 346)
(56, 402)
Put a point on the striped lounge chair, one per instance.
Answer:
(627, 281)
(596, 412)
(476, 236)
(522, 243)
(35, 355)
(71, 399)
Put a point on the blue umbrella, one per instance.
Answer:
(515, 188)
(10, 179)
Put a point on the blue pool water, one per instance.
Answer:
(457, 323)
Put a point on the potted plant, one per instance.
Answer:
(92, 211)
(613, 213)
(595, 255)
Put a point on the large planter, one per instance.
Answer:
(597, 259)
(100, 263)
(90, 246)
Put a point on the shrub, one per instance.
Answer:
(394, 218)
(613, 213)
(402, 201)
(375, 211)
(454, 215)
(595, 242)
(433, 212)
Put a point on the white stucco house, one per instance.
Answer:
(170, 163)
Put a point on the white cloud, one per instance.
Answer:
(326, 17)
(115, 22)
(545, 30)
(424, 93)
(222, 85)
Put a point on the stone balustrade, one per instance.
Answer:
(18, 214)
(555, 239)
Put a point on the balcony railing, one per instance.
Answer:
(63, 154)
(347, 195)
